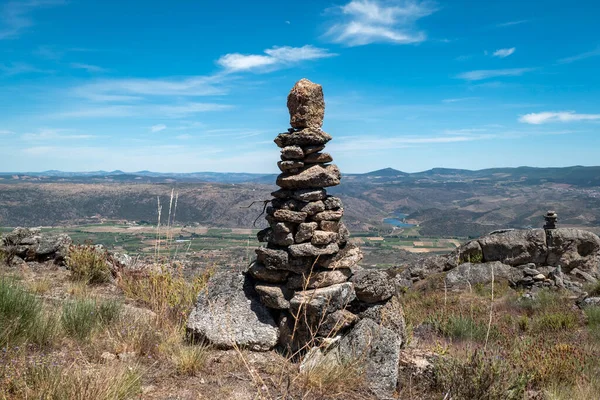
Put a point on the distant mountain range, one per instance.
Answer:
(576, 175)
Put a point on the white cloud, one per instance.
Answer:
(142, 110)
(5, 132)
(18, 68)
(371, 21)
(460, 99)
(579, 57)
(190, 86)
(53, 134)
(511, 23)
(88, 67)
(275, 57)
(185, 136)
(15, 16)
(481, 74)
(502, 53)
(158, 128)
(560, 116)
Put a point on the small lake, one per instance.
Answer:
(398, 221)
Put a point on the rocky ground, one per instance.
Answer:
(467, 335)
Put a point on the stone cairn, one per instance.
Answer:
(303, 273)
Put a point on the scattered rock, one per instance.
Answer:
(373, 286)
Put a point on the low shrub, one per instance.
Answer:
(48, 382)
(461, 327)
(593, 321)
(190, 359)
(88, 263)
(80, 317)
(22, 316)
(167, 291)
(557, 321)
(481, 376)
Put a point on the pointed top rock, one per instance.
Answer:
(306, 105)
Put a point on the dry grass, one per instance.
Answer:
(88, 263)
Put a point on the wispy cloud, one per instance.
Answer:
(15, 16)
(371, 21)
(553, 116)
(135, 88)
(88, 67)
(502, 53)
(158, 128)
(511, 23)
(482, 74)
(276, 57)
(579, 57)
(53, 134)
(17, 68)
(460, 99)
(5, 132)
(142, 110)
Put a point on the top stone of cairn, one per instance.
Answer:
(306, 105)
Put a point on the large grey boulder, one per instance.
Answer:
(389, 315)
(574, 248)
(515, 247)
(470, 274)
(228, 313)
(376, 351)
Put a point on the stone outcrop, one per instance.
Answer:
(228, 313)
(31, 244)
(564, 258)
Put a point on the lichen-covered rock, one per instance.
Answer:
(228, 313)
(373, 286)
(515, 247)
(306, 105)
(308, 194)
(274, 296)
(316, 176)
(285, 166)
(261, 273)
(316, 303)
(389, 315)
(323, 237)
(289, 216)
(310, 250)
(348, 257)
(292, 153)
(574, 248)
(313, 207)
(377, 350)
(271, 258)
(305, 231)
(318, 279)
(31, 244)
(329, 215)
(469, 274)
(337, 322)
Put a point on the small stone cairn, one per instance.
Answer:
(303, 273)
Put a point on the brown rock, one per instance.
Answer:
(348, 257)
(328, 215)
(274, 296)
(306, 105)
(260, 272)
(318, 158)
(304, 138)
(315, 176)
(307, 194)
(305, 231)
(332, 203)
(336, 322)
(289, 165)
(312, 149)
(330, 226)
(292, 153)
(313, 207)
(289, 216)
(323, 237)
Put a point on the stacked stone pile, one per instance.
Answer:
(306, 264)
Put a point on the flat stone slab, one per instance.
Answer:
(304, 138)
(319, 302)
(228, 313)
(310, 250)
(316, 176)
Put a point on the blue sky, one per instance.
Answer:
(188, 86)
